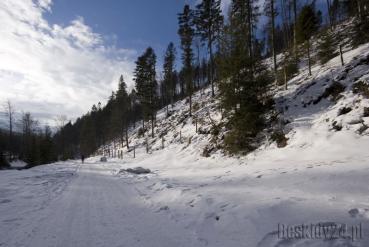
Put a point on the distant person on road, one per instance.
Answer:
(83, 158)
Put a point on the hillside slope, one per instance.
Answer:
(319, 177)
(194, 197)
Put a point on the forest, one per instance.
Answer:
(235, 68)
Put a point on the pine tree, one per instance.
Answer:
(245, 14)
(294, 4)
(28, 127)
(327, 47)
(329, 11)
(47, 154)
(135, 109)
(361, 23)
(186, 33)
(242, 91)
(271, 12)
(209, 21)
(168, 67)
(87, 137)
(146, 84)
(307, 25)
(123, 104)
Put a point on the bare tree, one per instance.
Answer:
(60, 121)
(9, 113)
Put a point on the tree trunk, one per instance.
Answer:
(359, 10)
(308, 53)
(190, 99)
(273, 38)
(198, 64)
(152, 125)
(285, 77)
(11, 132)
(211, 67)
(295, 28)
(127, 143)
(249, 9)
(329, 14)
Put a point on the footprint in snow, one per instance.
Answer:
(163, 208)
(191, 203)
(259, 176)
(224, 207)
(12, 220)
(212, 216)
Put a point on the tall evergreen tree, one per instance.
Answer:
(88, 137)
(135, 109)
(29, 150)
(327, 47)
(168, 67)
(294, 4)
(146, 84)
(245, 14)
(307, 25)
(186, 33)
(47, 154)
(123, 104)
(271, 12)
(242, 91)
(209, 21)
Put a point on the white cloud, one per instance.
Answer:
(52, 69)
(45, 4)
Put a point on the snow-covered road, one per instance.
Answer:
(95, 209)
(185, 201)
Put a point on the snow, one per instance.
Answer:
(320, 177)
(18, 164)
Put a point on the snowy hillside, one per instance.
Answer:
(195, 195)
(320, 176)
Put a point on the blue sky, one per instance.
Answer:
(127, 23)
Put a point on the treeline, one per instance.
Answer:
(126, 109)
(235, 63)
(31, 142)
